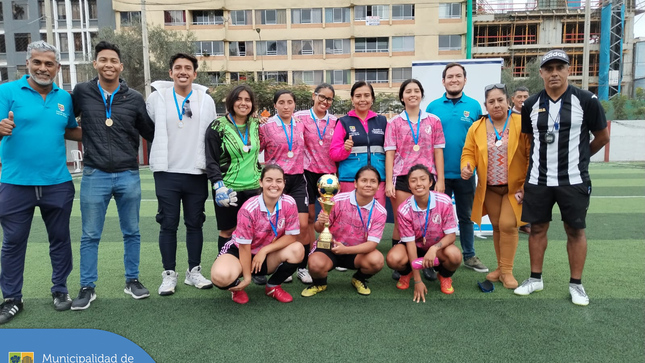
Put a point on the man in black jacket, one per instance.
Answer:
(112, 117)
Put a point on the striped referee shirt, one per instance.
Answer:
(565, 161)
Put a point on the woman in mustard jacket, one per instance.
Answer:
(496, 147)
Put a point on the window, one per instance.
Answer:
(3, 45)
(60, 9)
(94, 11)
(64, 71)
(371, 45)
(240, 49)
(241, 17)
(76, 11)
(208, 17)
(306, 47)
(2, 12)
(63, 45)
(337, 15)
(279, 76)
(20, 10)
(130, 18)
(450, 11)
(207, 48)
(338, 76)
(41, 8)
(306, 16)
(449, 42)
(241, 76)
(337, 46)
(271, 17)
(174, 17)
(22, 41)
(78, 42)
(272, 47)
(362, 12)
(401, 74)
(403, 12)
(308, 77)
(215, 78)
(4, 74)
(403, 44)
(372, 75)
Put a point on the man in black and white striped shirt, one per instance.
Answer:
(560, 118)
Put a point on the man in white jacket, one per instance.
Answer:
(181, 112)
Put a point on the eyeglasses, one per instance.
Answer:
(322, 98)
(493, 86)
(187, 111)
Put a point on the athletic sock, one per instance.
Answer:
(221, 241)
(575, 281)
(361, 276)
(303, 264)
(235, 283)
(444, 271)
(395, 242)
(319, 281)
(407, 270)
(536, 275)
(285, 270)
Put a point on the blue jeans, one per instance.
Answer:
(97, 188)
(464, 195)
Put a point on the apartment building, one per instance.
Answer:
(292, 41)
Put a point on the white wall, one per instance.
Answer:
(627, 142)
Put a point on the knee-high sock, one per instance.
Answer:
(285, 270)
(305, 260)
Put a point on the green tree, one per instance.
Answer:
(534, 82)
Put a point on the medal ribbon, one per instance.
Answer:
(414, 137)
(284, 128)
(425, 227)
(245, 138)
(277, 218)
(313, 117)
(180, 113)
(497, 134)
(108, 110)
(369, 217)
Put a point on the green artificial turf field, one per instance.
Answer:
(339, 325)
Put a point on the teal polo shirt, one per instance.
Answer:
(456, 119)
(35, 154)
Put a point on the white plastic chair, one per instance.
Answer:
(77, 157)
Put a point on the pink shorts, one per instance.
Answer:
(380, 193)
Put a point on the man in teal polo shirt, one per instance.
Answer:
(34, 174)
(457, 112)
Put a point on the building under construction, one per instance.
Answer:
(519, 33)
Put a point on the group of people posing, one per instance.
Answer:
(266, 216)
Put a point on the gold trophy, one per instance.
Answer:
(328, 186)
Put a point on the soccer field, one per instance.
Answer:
(339, 325)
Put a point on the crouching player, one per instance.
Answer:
(427, 225)
(263, 242)
(356, 223)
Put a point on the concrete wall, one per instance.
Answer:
(626, 142)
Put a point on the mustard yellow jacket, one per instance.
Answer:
(475, 152)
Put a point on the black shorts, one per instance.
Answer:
(312, 185)
(346, 261)
(227, 216)
(402, 184)
(573, 201)
(231, 249)
(296, 187)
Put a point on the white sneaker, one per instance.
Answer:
(341, 269)
(578, 295)
(194, 278)
(168, 283)
(528, 286)
(289, 279)
(304, 276)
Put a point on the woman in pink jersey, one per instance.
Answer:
(319, 127)
(263, 241)
(356, 223)
(283, 143)
(428, 229)
(413, 137)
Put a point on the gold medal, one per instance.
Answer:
(109, 122)
(290, 154)
(424, 241)
(416, 147)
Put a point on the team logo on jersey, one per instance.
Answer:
(436, 219)
(281, 223)
(428, 129)
(61, 107)
(466, 113)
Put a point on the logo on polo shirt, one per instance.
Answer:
(466, 113)
(436, 219)
(61, 107)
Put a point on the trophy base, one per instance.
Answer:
(324, 245)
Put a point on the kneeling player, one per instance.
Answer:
(263, 242)
(427, 225)
(356, 222)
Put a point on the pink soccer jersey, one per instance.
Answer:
(346, 226)
(276, 148)
(317, 158)
(254, 228)
(398, 136)
(441, 221)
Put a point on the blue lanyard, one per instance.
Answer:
(284, 128)
(414, 137)
(425, 227)
(277, 218)
(108, 110)
(369, 217)
(245, 138)
(313, 117)
(497, 135)
(180, 113)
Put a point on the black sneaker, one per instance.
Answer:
(259, 279)
(62, 301)
(85, 296)
(396, 275)
(430, 274)
(136, 289)
(8, 309)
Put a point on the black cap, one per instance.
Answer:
(554, 54)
